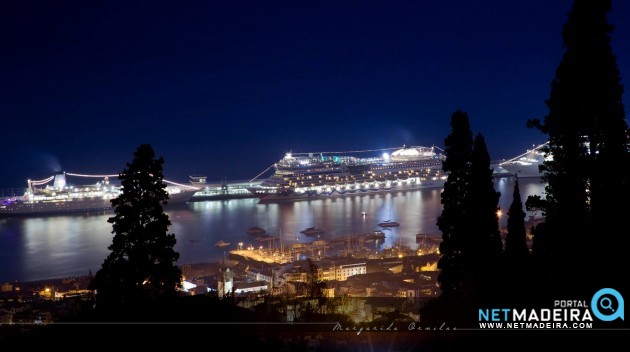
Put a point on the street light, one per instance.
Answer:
(499, 215)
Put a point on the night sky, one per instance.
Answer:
(226, 88)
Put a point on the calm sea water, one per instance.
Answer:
(66, 245)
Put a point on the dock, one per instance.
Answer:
(223, 190)
(356, 246)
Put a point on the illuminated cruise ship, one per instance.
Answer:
(42, 198)
(524, 165)
(310, 175)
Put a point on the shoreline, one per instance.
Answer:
(83, 280)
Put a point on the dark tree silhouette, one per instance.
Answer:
(515, 240)
(483, 204)
(453, 221)
(483, 247)
(588, 138)
(313, 284)
(607, 132)
(141, 263)
(539, 245)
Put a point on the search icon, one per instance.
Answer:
(606, 303)
(602, 300)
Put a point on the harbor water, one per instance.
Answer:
(33, 248)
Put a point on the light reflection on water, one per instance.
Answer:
(65, 245)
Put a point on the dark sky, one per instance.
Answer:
(226, 88)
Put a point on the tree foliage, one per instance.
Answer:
(588, 140)
(452, 222)
(483, 242)
(516, 238)
(471, 248)
(482, 204)
(141, 264)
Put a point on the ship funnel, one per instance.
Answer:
(60, 181)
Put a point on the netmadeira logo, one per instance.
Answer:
(606, 305)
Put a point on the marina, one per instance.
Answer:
(367, 246)
(38, 247)
(70, 221)
(314, 176)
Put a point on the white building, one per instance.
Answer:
(225, 282)
(255, 286)
(344, 271)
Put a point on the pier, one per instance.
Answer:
(223, 190)
(365, 245)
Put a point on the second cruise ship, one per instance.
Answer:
(310, 175)
(61, 197)
(524, 165)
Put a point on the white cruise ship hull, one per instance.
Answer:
(76, 205)
(525, 165)
(55, 207)
(522, 170)
(268, 195)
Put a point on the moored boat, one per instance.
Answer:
(388, 223)
(41, 197)
(376, 235)
(222, 243)
(312, 231)
(256, 231)
(309, 176)
(524, 165)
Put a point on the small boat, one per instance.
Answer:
(312, 231)
(266, 237)
(389, 223)
(376, 235)
(257, 231)
(222, 243)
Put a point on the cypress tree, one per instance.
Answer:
(141, 264)
(483, 204)
(515, 240)
(453, 221)
(483, 242)
(588, 141)
(606, 133)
